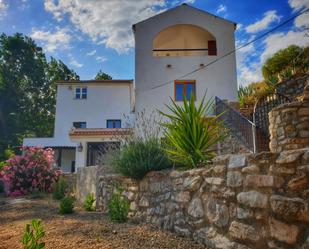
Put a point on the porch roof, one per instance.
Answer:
(100, 132)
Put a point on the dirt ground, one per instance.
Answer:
(81, 230)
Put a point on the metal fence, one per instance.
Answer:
(239, 125)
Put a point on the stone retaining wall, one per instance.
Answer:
(240, 202)
(289, 125)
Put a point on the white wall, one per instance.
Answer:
(104, 101)
(219, 79)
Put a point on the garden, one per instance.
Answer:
(40, 210)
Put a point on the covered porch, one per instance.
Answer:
(94, 143)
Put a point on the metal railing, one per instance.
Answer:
(239, 125)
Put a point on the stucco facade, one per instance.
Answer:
(106, 100)
(152, 73)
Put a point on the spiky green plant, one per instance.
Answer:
(33, 235)
(189, 135)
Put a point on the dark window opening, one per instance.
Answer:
(80, 125)
(81, 93)
(113, 123)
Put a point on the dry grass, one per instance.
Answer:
(81, 229)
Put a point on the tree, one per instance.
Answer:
(103, 76)
(27, 90)
(286, 62)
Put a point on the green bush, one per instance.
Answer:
(138, 157)
(190, 135)
(66, 205)
(118, 207)
(32, 235)
(59, 188)
(89, 202)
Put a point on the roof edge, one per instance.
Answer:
(187, 5)
(63, 82)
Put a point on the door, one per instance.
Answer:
(96, 152)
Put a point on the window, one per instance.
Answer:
(184, 87)
(79, 125)
(81, 93)
(113, 123)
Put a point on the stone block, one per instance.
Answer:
(182, 231)
(289, 156)
(195, 208)
(283, 232)
(252, 169)
(183, 196)
(234, 179)
(263, 181)
(303, 111)
(217, 213)
(299, 183)
(289, 209)
(244, 232)
(192, 183)
(244, 214)
(281, 170)
(143, 202)
(253, 199)
(214, 180)
(237, 161)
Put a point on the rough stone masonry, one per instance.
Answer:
(241, 201)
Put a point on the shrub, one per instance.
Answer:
(66, 205)
(189, 135)
(118, 207)
(32, 171)
(138, 157)
(33, 234)
(59, 188)
(89, 202)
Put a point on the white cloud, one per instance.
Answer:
(73, 62)
(51, 41)
(221, 9)
(3, 9)
(106, 22)
(268, 18)
(101, 58)
(282, 40)
(299, 4)
(91, 53)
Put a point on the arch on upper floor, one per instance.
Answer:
(184, 40)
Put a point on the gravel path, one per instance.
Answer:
(80, 230)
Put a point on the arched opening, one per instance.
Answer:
(184, 40)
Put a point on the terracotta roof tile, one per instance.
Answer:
(99, 132)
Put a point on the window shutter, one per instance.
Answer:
(212, 48)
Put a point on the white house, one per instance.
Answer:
(174, 43)
(172, 53)
(88, 115)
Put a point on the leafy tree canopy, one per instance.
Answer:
(288, 61)
(103, 76)
(27, 89)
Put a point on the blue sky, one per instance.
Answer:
(89, 35)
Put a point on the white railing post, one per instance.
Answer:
(254, 138)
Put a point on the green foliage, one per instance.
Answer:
(244, 92)
(59, 188)
(89, 202)
(66, 205)
(118, 207)
(189, 134)
(103, 76)
(27, 89)
(286, 62)
(138, 157)
(33, 235)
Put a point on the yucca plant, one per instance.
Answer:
(189, 135)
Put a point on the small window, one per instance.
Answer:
(184, 88)
(81, 93)
(79, 125)
(113, 123)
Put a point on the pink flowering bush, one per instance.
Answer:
(33, 171)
